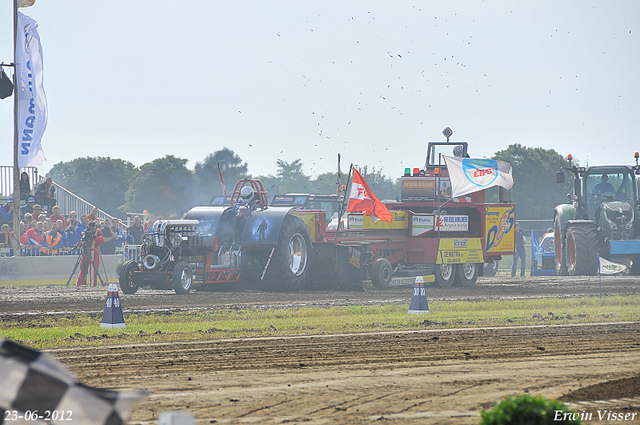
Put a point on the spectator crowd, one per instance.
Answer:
(45, 231)
(54, 233)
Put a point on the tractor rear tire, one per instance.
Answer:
(182, 278)
(381, 273)
(127, 285)
(582, 250)
(291, 261)
(445, 275)
(561, 260)
(467, 274)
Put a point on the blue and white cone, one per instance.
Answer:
(112, 317)
(419, 304)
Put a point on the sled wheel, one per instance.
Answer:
(491, 269)
(381, 273)
(445, 275)
(182, 278)
(289, 267)
(127, 285)
(467, 274)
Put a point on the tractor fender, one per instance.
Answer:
(263, 226)
(564, 213)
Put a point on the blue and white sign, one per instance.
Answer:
(470, 175)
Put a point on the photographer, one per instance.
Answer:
(91, 240)
(109, 245)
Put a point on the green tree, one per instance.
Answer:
(382, 186)
(207, 176)
(535, 191)
(163, 187)
(291, 177)
(100, 181)
(327, 183)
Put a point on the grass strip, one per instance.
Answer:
(65, 331)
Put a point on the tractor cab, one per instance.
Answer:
(610, 198)
(436, 151)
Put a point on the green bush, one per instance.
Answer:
(529, 410)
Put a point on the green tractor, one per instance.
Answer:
(601, 218)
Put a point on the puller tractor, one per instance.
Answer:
(601, 218)
(246, 242)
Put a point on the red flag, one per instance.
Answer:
(363, 199)
(224, 188)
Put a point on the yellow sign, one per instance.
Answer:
(310, 220)
(460, 251)
(499, 231)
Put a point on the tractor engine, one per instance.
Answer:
(166, 242)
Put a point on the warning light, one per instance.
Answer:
(407, 172)
(570, 157)
(436, 171)
(636, 155)
(416, 171)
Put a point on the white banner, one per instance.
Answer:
(607, 267)
(32, 102)
(470, 175)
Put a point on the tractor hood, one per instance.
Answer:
(262, 227)
(619, 214)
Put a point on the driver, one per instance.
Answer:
(248, 196)
(604, 186)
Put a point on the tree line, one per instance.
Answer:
(167, 188)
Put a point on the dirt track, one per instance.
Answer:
(430, 376)
(416, 377)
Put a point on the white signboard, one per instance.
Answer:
(453, 223)
(421, 224)
(356, 221)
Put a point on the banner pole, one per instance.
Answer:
(16, 168)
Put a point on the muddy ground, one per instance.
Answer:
(422, 377)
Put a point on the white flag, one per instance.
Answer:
(32, 102)
(607, 267)
(470, 175)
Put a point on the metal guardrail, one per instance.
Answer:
(66, 200)
(6, 179)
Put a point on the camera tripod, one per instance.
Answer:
(85, 251)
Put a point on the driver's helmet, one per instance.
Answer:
(457, 151)
(247, 194)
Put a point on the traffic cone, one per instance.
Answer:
(112, 316)
(419, 304)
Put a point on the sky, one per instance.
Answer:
(371, 80)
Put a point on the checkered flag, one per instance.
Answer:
(37, 389)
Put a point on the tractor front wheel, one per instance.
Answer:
(582, 250)
(561, 262)
(182, 278)
(127, 285)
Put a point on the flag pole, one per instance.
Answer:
(16, 168)
(340, 211)
(600, 275)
